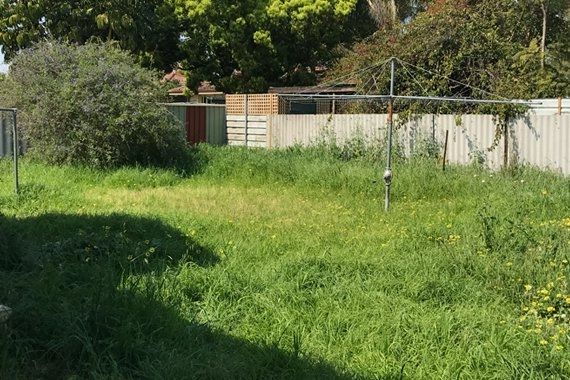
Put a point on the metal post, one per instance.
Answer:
(388, 172)
(15, 149)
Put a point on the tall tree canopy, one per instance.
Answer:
(494, 45)
(249, 45)
(148, 28)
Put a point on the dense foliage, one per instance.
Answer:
(147, 28)
(491, 45)
(249, 45)
(91, 105)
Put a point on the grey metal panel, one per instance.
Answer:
(5, 135)
(216, 125)
(180, 115)
(178, 112)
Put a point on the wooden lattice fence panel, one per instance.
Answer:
(257, 104)
(235, 104)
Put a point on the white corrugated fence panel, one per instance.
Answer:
(542, 141)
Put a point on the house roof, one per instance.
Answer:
(347, 88)
(177, 76)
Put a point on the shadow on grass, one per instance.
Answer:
(101, 296)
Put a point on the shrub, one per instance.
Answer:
(90, 105)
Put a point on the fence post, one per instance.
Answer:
(246, 117)
(506, 147)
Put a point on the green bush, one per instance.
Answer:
(90, 105)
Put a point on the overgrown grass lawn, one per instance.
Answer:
(283, 265)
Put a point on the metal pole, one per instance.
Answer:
(15, 148)
(388, 172)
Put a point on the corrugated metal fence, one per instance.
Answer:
(542, 141)
(5, 134)
(202, 122)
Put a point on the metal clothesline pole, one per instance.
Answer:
(388, 172)
(391, 98)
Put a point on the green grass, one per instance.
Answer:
(281, 264)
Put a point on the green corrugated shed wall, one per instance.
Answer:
(202, 122)
(216, 131)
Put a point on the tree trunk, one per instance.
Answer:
(394, 12)
(544, 8)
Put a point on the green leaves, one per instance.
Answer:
(489, 45)
(148, 28)
(250, 45)
(91, 105)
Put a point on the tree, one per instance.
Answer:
(252, 44)
(148, 28)
(550, 9)
(90, 105)
(492, 45)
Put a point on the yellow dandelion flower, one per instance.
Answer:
(550, 309)
(550, 321)
(528, 288)
(543, 342)
(559, 347)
